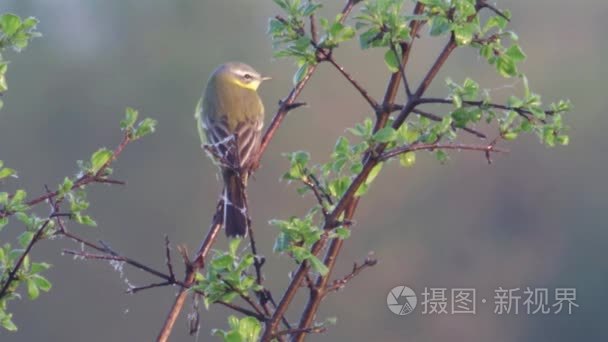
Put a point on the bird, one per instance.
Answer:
(230, 117)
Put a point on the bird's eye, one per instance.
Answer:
(248, 77)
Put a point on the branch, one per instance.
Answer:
(362, 91)
(438, 118)
(245, 297)
(482, 104)
(191, 269)
(434, 117)
(13, 273)
(318, 292)
(340, 283)
(408, 92)
(393, 84)
(348, 200)
(426, 82)
(83, 180)
(483, 4)
(111, 255)
(438, 146)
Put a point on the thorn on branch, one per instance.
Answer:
(110, 181)
(291, 106)
(168, 258)
(134, 290)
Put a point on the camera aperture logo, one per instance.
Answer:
(401, 300)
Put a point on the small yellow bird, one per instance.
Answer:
(230, 123)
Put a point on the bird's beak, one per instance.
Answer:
(266, 78)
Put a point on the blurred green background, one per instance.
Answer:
(536, 217)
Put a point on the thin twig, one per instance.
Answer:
(482, 104)
(362, 91)
(243, 296)
(83, 180)
(438, 146)
(134, 290)
(340, 283)
(483, 4)
(13, 273)
(168, 257)
(438, 118)
(408, 92)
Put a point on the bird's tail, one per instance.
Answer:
(235, 205)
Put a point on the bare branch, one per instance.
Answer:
(482, 104)
(362, 91)
(134, 290)
(340, 283)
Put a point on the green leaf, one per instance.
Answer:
(391, 60)
(10, 24)
(7, 323)
(317, 265)
(25, 238)
(439, 26)
(301, 73)
(515, 53)
(442, 157)
(374, 173)
(311, 8)
(18, 197)
(510, 135)
(386, 134)
(130, 118)
(145, 127)
(6, 172)
(342, 233)
(233, 246)
(32, 289)
(464, 33)
(563, 140)
(42, 283)
(99, 159)
(342, 145)
(66, 186)
(506, 66)
(407, 159)
(85, 220)
(222, 262)
(38, 267)
(249, 329)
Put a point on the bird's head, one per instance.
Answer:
(239, 74)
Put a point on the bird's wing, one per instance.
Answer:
(248, 136)
(235, 148)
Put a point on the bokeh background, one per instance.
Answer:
(536, 217)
